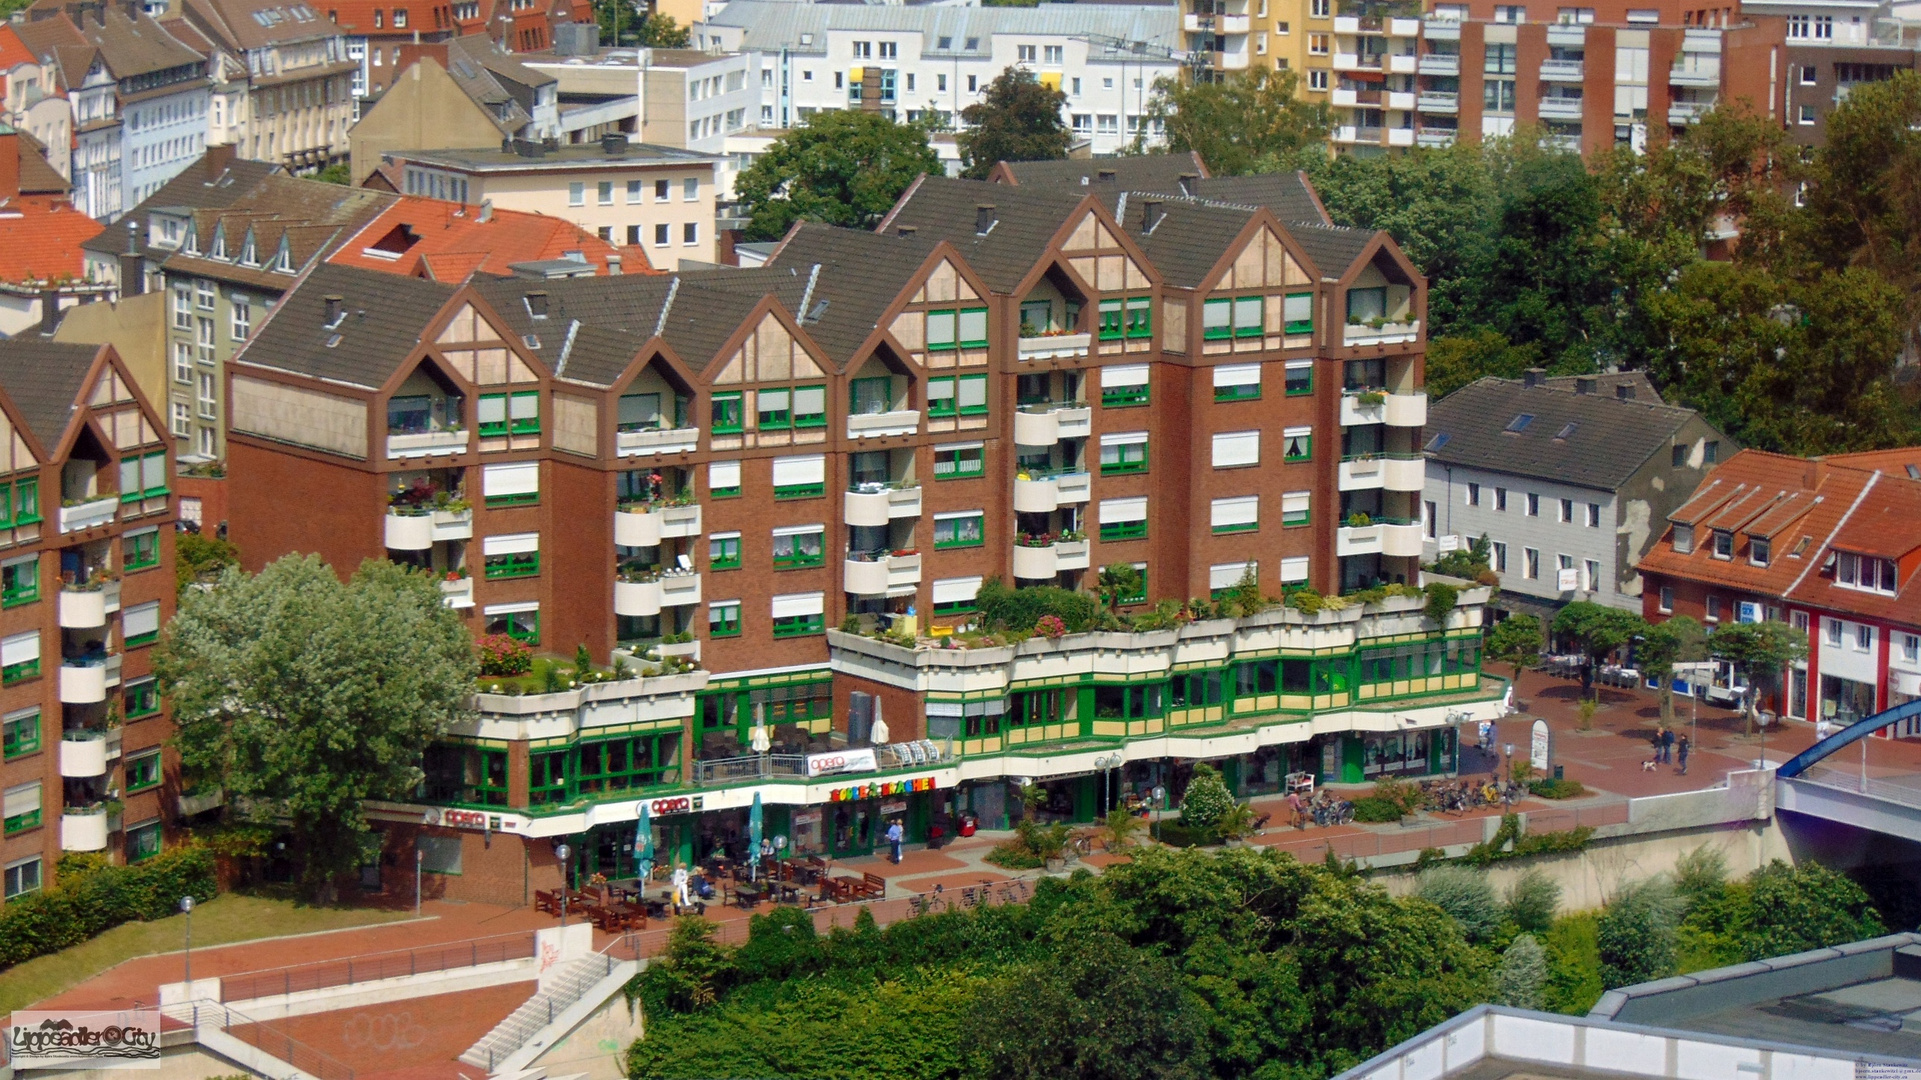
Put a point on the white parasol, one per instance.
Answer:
(878, 735)
(760, 739)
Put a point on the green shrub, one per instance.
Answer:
(1700, 874)
(1636, 934)
(1206, 798)
(1521, 980)
(1573, 965)
(1464, 894)
(1551, 788)
(1175, 833)
(1532, 901)
(1018, 610)
(1509, 842)
(1031, 846)
(1441, 598)
(102, 898)
(1376, 810)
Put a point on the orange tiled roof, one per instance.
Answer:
(13, 51)
(1869, 504)
(445, 241)
(43, 240)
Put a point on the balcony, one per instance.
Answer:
(680, 440)
(83, 828)
(880, 425)
(1569, 144)
(457, 592)
(1048, 423)
(1401, 538)
(1563, 71)
(1041, 491)
(878, 573)
(1440, 64)
(1561, 108)
(686, 650)
(1346, 97)
(1039, 562)
(417, 528)
(1403, 472)
(1231, 24)
(1434, 138)
(1363, 407)
(1682, 113)
(1347, 61)
(1403, 64)
(426, 443)
(1231, 61)
(1351, 24)
(200, 802)
(1400, 136)
(83, 753)
(1363, 136)
(91, 513)
(1361, 472)
(1392, 333)
(1706, 76)
(1437, 101)
(878, 504)
(646, 524)
(679, 588)
(1057, 346)
(85, 607)
(648, 592)
(1406, 410)
(84, 679)
(1397, 99)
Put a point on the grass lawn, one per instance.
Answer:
(221, 921)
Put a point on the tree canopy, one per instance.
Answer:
(1598, 630)
(302, 695)
(1238, 122)
(840, 166)
(1017, 119)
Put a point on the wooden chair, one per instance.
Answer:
(547, 901)
(870, 886)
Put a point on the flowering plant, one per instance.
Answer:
(502, 655)
(1050, 626)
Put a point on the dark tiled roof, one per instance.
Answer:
(1190, 236)
(1609, 440)
(852, 263)
(208, 183)
(1286, 194)
(1150, 172)
(1026, 218)
(137, 46)
(385, 315)
(1334, 248)
(42, 379)
(710, 305)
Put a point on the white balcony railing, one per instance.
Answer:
(645, 525)
(1401, 540)
(1688, 112)
(90, 514)
(1434, 138)
(1697, 75)
(427, 444)
(883, 424)
(640, 598)
(83, 828)
(1404, 473)
(1360, 474)
(1045, 425)
(1437, 101)
(1400, 136)
(878, 504)
(411, 528)
(679, 440)
(1571, 71)
(881, 573)
(1394, 333)
(457, 592)
(679, 589)
(1406, 410)
(1056, 346)
(1561, 108)
(1440, 64)
(83, 753)
(86, 608)
(84, 680)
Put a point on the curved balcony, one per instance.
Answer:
(1045, 425)
(656, 441)
(1361, 473)
(83, 753)
(646, 524)
(1404, 472)
(83, 828)
(417, 528)
(84, 680)
(880, 573)
(1041, 491)
(1040, 563)
(86, 607)
(637, 598)
(878, 504)
(1406, 410)
(1399, 539)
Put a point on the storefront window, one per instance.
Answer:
(1257, 677)
(627, 762)
(1127, 702)
(1198, 689)
(547, 778)
(1038, 707)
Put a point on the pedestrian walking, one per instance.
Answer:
(1684, 755)
(1667, 745)
(1296, 813)
(1487, 735)
(681, 899)
(895, 834)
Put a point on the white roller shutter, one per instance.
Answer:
(20, 648)
(511, 609)
(514, 478)
(24, 799)
(1124, 438)
(1235, 448)
(140, 619)
(791, 605)
(1115, 511)
(1239, 510)
(1228, 575)
(956, 590)
(510, 544)
(1295, 502)
(1294, 569)
(798, 530)
(796, 471)
(1124, 375)
(1237, 375)
(722, 475)
(810, 401)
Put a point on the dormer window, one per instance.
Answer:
(1865, 572)
(1758, 551)
(1683, 537)
(379, 18)
(247, 256)
(220, 241)
(1721, 544)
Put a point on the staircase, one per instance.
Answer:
(568, 984)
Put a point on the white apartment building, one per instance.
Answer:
(933, 62)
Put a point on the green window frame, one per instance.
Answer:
(6, 502)
(143, 772)
(13, 673)
(518, 564)
(141, 551)
(1112, 325)
(1297, 448)
(141, 611)
(1217, 320)
(1255, 678)
(800, 625)
(20, 735)
(1227, 530)
(957, 395)
(491, 415)
(1140, 317)
(791, 550)
(1243, 392)
(464, 774)
(973, 327)
(23, 822)
(774, 409)
(957, 607)
(547, 772)
(20, 582)
(1124, 397)
(960, 531)
(864, 394)
(810, 406)
(961, 328)
(143, 476)
(1297, 313)
(1197, 689)
(1233, 317)
(1126, 458)
(26, 502)
(1139, 596)
(1137, 701)
(626, 763)
(725, 413)
(1300, 379)
(523, 412)
(723, 619)
(1123, 530)
(723, 552)
(1291, 518)
(141, 699)
(144, 842)
(959, 462)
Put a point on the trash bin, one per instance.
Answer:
(1557, 772)
(967, 825)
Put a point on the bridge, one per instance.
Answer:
(1881, 796)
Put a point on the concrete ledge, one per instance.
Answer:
(380, 991)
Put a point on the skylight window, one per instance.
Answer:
(1520, 423)
(1439, 440)
(1563, 434)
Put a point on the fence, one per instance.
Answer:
(262, 1037)
(399, 963)
(1828, 776)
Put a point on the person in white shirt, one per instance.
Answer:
(681, 899)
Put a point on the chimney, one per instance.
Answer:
(9, 164)
(1584, 385)
(49, 311)
(486, 211)
(1105, 176)
(1150, 215)
(218, 158)
(613, 264)
(336, 310)
(1533, 377)
(613, 144)
(983, 218)
(133, 265)
(1624, 391)
(1187, 182)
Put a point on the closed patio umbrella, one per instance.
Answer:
(754, 826)
(878, 734)
(760, 740)
(644, 846)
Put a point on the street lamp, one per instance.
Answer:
(418, 857)
(563, 851)
(186, 908)
(1160, 804)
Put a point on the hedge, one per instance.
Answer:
(86, 904)
(1019, 609)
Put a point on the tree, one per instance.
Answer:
(1759, 651)
(840, 166)
(1017, 119)
(335, 174)
(1805, 906)
(658, 30)
(1119, 580)
(1237, 121)
(1598, 630)
(1455, 360)
(1522, 976)
(1516, 641)
(1100, 1011)
(1465, 894)
(1470, 562)
(1207, 798)
(305, 695)
(1637, 934)
(1676, 640)
(1532, 900)
(199, 558)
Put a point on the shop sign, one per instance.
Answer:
(861, 760)
(806, 817)
(1568, 580)
(894, 806)
(470, 819)
(881, 789)
(679, 804)
(1541, 748)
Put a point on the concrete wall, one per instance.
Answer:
(597, 1048)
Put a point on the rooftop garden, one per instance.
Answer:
(509, 666)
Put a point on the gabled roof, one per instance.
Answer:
(241, 25)
(1334, 248)
(1026, 220)
(43, 239)
(1287, 195)
(217, 179)
(448, 242)
(37, 175)
(494, 79)
(1588, 440)
(310, 216)
(131, 46)
(1140, 172)
(852, 262)
(42, 380)
(384, 318)
(13, 51)
(1189, 237)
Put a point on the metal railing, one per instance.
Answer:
(250, 985)
(262, 1037)
(1828, 776)
(749, 767)
(540, 1011)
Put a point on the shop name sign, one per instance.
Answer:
(470, 819)
(678, 804)
(85, 1040)
(861, 760)
(881, 789)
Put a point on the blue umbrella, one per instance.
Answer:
(643, 847)
(753, 837)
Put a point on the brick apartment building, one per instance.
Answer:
(1023, 382)
(86, 581)
(1831, 545)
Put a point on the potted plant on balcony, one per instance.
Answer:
(1358, 520)
(1370, 397)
